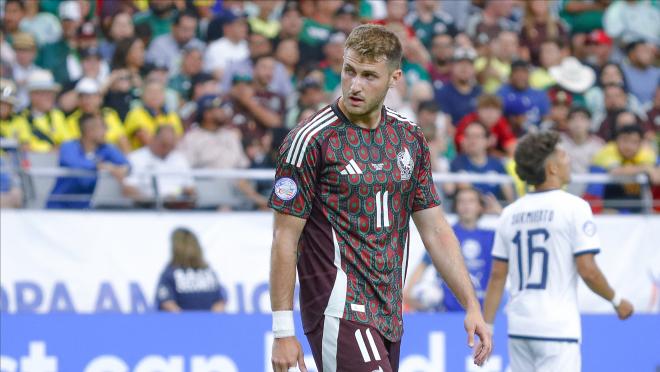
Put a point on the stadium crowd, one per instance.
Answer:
(128, 86)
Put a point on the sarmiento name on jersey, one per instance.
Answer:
(541, 215)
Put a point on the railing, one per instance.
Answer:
(32, 175)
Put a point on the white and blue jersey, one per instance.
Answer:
(539, 236)
(191, 289)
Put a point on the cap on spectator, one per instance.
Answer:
(337, 38)
(154, 66)
(599, 37)
(206, 103)
(88, 86)
(520, 63)
(629, 129)
(429, 105)
(70, 10)
(347, 8)
(309, 83)
(201, 78)
(573, 75)
(579, 109)
(90, 52)
(516, 105)
(42, 80)
(230, 16)
(24, 41)
(465, 54)
(560, 96)
(191, 47)
(7, 91)
(87, 30)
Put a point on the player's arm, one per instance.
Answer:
(287, 351)
(495, 289)
(443, 247)
(595, 280)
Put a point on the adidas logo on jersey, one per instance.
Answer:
(351, 168)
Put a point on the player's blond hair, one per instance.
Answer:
(375, 43)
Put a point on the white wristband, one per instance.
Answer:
(616, 300)
(283, 324)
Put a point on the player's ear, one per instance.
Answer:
(395, 77)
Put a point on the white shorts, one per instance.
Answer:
(544, 356)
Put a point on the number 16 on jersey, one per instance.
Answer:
(532, 261)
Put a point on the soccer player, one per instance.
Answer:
(348, 180)
(543, 241)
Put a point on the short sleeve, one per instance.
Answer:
(500, 251)
(166, 290)
(585, 238)
(426, 195)
(295, 176)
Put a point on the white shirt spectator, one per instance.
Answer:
(631, 21)
(223, 51)
(143, 160)
(165, 51)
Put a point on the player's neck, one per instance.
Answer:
(548, 185)
(370, 120)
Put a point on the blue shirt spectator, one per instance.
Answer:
(476, 245)
(462, 163)
(518, 89)
(641, 76)
(90, 153)
(459, 96)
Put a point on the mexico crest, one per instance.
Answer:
(405, 163)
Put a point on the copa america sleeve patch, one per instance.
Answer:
(589, 228)
(286, 188)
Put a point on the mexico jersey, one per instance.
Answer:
(357, 189)
(539, 235)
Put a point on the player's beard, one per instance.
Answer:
(369, 104)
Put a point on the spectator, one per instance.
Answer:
(646, 25)
(346, 18)
(26, 52)
(310, 96)
(316, 28)
(93, 68)
(48, 128)
(259, 46)
(14, 12)
(540, 25)
(257, 108)
(231, 47)
(120, 92)
(201, 84)
(191, 65)
(474, 158)
(159, 74)
(580, 145)
(428, 20)
(599, 50)
(188, 283)
(516, 109)
(437, 136)
(291, 25)
(653, 115)
(176, 189)
(12, 126)
(458, 97)
(484, 26)
(626, 155)
(502, 141)
(142, 122)
(642, 76)
(129, 57)
(550, 55)
(584, 16)
(166, 49)
(158, 18)
(44, 26)
(442, 54)
(334, 61)
(264, 22)
(288, 54)
(121, 27)
(495, 67)
(561, 102)
(476, 244)
(90, 102)
(60, 57)
(87, 38)
(519, 87)
(615, 102)
(11, 195)
(611, 73)
(89, 153)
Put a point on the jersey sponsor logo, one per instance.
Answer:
(377, 166)
(405, 163)
(351, 168)
(589, 228)
(286, 188)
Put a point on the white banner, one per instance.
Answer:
(111, 261)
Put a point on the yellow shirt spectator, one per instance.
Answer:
(115, 129)
(502, 69)
(47, 131)
(519, 185)
(540, 78)
(609, 157)
(15, 127)
(141, 119)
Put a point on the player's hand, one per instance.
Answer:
(287, 353)
(475, 324)
(624, 310)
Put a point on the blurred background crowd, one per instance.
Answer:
(131, 88)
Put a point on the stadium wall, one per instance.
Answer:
(110, 262)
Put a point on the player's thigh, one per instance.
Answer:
(342, 346)
(521, 357)
(557, 356)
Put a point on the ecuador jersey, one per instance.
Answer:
(540, 235)
(357, 188)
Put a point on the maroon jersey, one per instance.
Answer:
(357, 189)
